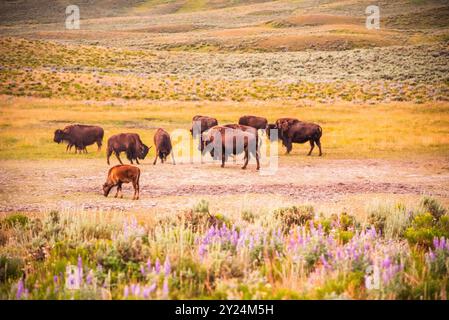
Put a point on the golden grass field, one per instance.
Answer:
(381, 97)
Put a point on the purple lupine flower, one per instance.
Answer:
(89, 277)
(20, 289)
(157, 266)
(136, 291)
(202, 250)
(146, 292)
(126, 292)
(152, 287)
(142, 270)
(386, 263)
(55, 279)
(80, 269)
(167, 266)
(149, 264)
(165, 289)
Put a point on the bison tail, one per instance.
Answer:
(320, 131)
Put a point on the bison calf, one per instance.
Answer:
(122, 173)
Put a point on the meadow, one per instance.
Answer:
(367, 220)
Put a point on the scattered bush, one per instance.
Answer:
(15, 220)
(10, 268)
(294, 216)
(425, 227)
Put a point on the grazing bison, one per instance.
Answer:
(281, 123)
(253, 121)
(301, 132)
(129, 143)
(122, 173)
(247, 129)
(205, 124)
(227, 141)
(162, 143)
(80, 136)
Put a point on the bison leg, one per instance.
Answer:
(246, 158)
(257, 160)
(318, 143)
(69, 146)
(118, 157)
(173, 158)
(117, 191)
(99, 145)
(312, 145)
(223, 159)
(136, 190)
(288, 145)
(108, 155)
(155, 159)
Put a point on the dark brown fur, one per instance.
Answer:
(253, 121)
(80, 136)
(162, 143)
(127, 142)
(229, 138)
(301, 132)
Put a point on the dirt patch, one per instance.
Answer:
(43, 185)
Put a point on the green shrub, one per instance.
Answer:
(10, 268)
(15, 220)
(390, 219)
(294, 216)
(248, 216)
(425, 227)
(201, 207)
(433, 206)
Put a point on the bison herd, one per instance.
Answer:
(220, 141)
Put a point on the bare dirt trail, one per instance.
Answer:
(56, 184)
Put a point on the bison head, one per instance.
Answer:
(107, 188)
(144, 151)
(271, 126)
(59, 136)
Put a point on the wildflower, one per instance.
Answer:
(126, 292)
(152, 287)
(149, 264)
(20, 289)
(165, 289)
(167, 266)
(157, 266)
(142, 270)
(90, 277)
(80, 269)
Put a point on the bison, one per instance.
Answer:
(228, 141)
(162, 143)
(205, 123)
(301, 132)
(119, 174)
(80, 136)
(253, 121)
(127, 142)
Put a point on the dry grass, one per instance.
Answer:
(386, 130)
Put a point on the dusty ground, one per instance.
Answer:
(328, 184)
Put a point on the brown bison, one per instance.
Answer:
(247, 129)
(127, 142)
(281, 123)
(80, 136)
(223, 141)
(301, 132)
(253, 121)
(205, 123)
(119, 174)
(162, 143)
